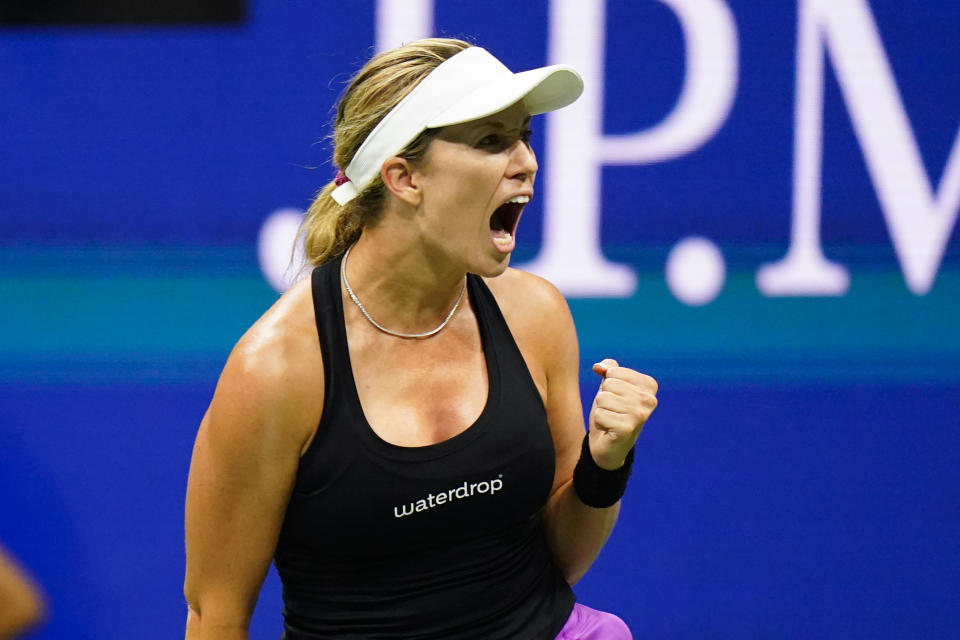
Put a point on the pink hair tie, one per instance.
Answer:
(341, 178)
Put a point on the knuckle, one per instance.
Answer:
(601, 416)
(608, 385)
(647, 382)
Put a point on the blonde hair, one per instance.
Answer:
(329, 228)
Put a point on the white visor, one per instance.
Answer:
(471, 85)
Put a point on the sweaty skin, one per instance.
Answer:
(408, 269)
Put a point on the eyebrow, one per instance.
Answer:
(500, 125)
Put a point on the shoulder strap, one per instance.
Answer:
(513, 367)
(328, 312)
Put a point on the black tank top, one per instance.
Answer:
(441, 541)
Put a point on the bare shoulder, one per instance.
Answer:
(275, 371)
(522, 292)
(529, 300)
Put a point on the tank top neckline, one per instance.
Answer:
(480, 425)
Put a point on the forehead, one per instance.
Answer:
(512, 118)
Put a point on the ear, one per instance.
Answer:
(401, 180)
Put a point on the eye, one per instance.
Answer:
(500, 141)
(494, 141)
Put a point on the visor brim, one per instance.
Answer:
(541, 90)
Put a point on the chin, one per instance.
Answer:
(492, 268)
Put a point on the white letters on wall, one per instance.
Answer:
(570, 255)
(401, 21)
(709, 87)
(918, 219)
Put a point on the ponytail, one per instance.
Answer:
(329, 229)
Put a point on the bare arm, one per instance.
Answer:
(576, 532)
(242, 472)
(540, 319)
(21, 600)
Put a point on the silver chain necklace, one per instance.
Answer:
(408, 336)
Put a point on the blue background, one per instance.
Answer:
(801, 477)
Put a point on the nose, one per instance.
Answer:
(523, 162)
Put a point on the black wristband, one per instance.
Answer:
(597, 487)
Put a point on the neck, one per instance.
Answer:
(404, 287)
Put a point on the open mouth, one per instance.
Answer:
(503, 222)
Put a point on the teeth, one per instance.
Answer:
(519, 200)
(504, 239)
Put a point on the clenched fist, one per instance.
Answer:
(622, 406)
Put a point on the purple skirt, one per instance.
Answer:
(585, 623)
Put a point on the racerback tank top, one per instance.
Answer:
(444, 541)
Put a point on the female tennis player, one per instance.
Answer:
(402, 432)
